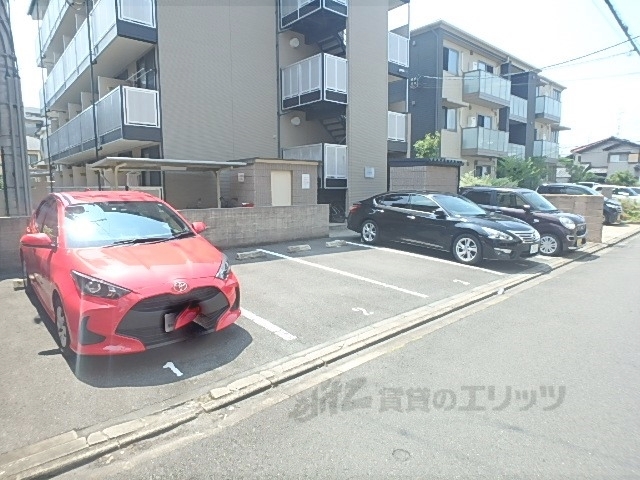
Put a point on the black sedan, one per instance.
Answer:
(443, 221)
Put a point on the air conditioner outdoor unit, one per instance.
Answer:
(472, 122)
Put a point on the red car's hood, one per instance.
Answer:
(142, 266)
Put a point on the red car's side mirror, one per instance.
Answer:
(199, 227)
(36, 240)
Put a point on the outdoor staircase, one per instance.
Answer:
(337, 128)
(334, 45)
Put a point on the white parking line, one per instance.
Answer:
(268, 325)
(431, 259)
(346, 274)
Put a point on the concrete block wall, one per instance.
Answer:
(589, 206)
(241, 227)
(11, 229)
(425, 177)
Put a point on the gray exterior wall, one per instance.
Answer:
(368, 97)
(218, 79)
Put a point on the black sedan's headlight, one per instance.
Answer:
(225, 269)
(97, 288)
(496, 234)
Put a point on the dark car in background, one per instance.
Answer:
(443, 221)
(560, 232)
(611, 209)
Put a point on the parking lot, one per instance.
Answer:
(291, 301)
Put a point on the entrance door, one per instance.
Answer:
(281, 181)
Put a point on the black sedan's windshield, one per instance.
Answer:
(538, 202)
(109, 223)
(458, 206)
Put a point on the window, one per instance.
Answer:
(450, 60)
(151, 179)
(423, 204)
(450, 118)
(484, 121)
(618, 157)
(481, 198)
(47, 218)
(483, 170)
(509, 200)
(395, 200)
(555, 136)
(573, 191)
(33, 159)
(555, 94)
(485, 67)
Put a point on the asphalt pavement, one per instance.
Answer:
(540, 382)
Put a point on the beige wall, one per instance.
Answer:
(304, 134)
(256, 187)
(218, 79)
(367, 40)
(589, 206)
(450, 143)
(190, 189)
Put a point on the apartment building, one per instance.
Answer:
(220, 81)
(485, 103)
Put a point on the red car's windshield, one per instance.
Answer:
(109, 223)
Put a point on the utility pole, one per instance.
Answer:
(624, 28)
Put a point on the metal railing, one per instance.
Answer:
(333, 156)
(306, 76)
(397, 126)
(517, 151)
(398, 49)
(287, 7)
(548, 107)
(545, 148)
(518, 107)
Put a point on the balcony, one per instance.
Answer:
(486, 89)
(58, 19)
(126, 118)
(126, 26)
(333, 158)
(396, 132)
(518, 109)
(517, 151)
(316, 84)
(315, 19)
(548, 109)
(484, 142)
(544, 148)
(398, 55)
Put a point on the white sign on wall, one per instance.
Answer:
(240, 177)
(369, 172)
(306, 181)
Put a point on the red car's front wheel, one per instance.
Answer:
(62, 328)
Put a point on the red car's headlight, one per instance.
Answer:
(97, 288)
(225, 268)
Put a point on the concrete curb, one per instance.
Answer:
(69, 450)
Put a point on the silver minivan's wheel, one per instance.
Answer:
(369, 232)
(467, 249)
(550, 244)
(62, 328)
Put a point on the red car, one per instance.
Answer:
(122, 272)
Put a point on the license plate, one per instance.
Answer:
(170, 322)
(534, 248)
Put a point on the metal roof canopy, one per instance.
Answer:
(118, 164)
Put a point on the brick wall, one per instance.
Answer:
(589, 206)
(11, 229)
(240, 227)
(429, 177)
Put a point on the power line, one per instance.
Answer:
(593, 53)
(624, 28)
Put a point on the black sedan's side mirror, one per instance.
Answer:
(440, 213)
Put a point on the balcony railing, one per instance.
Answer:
(124, 106)
(518, 110)
(293, 10)
(485, 142)
(398, 49)
(397, 127)
(548, 109)
(333, 157)
(314, 79)
(103, 17)
(545, 148)
(487, 89)
(517, 151)
(51, 19)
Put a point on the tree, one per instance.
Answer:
(622, 178)
(529, 173)
(470, 180)
(577, 172)
(429, 146)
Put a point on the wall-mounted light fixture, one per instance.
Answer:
(295, 121)
(294, 42)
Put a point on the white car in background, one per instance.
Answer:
(621, 193)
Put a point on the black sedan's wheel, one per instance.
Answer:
(467, 249)
(369, 232)
(550, 244)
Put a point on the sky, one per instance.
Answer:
(602, 96)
